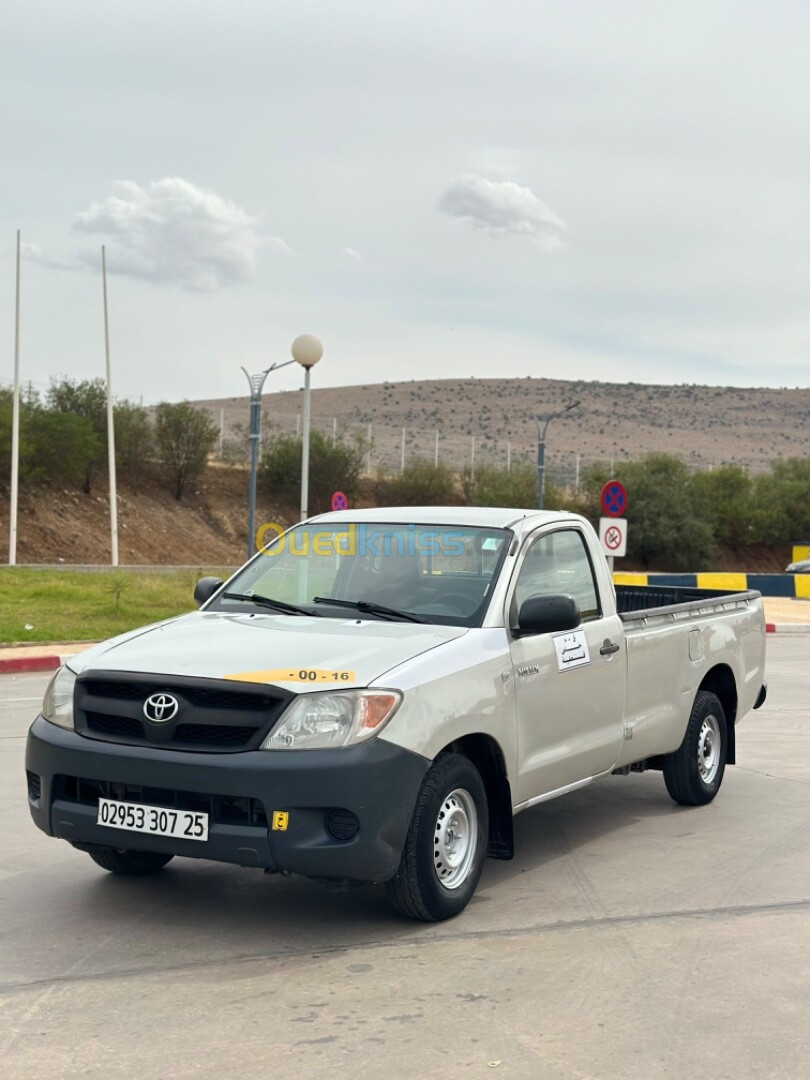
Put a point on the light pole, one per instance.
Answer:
(256, 382)
(307, 351)
(541, 450)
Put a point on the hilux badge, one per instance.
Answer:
(160, 707)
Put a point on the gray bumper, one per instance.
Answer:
(378, 783)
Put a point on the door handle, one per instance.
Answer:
(608, 648)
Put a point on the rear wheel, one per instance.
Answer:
(694, 772)
(118, 861)
(446, 843)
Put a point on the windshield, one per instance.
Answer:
(441, 574)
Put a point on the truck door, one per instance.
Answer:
(569, 688)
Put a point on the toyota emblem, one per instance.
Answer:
(159, 708)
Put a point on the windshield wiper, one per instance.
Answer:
(368, 607)
(266, 601)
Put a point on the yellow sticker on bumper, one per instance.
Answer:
(281, 819)
(300, 675)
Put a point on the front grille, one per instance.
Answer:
(201, 697)
(222, 809)
(213, 716)
(213, 735)
(115, 725)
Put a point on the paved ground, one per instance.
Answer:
(628, 938)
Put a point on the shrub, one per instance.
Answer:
(664, 517)
(723, 499)
(133, 438)
(185, 437)
(419, 484)
(332, 467)
(58, 447)
(87, 399)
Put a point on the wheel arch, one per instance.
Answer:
(720, 681)
(487, 756)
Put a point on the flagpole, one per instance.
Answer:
(110, 422)
(15, 425)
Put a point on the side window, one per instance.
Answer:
(558, 563)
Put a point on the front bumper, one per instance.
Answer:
(376, 782)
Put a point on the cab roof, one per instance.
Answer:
(485, 517)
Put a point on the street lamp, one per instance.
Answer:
(541, 450)
(256, 382)
(307, 351)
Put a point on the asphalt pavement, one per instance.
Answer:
(628, 938)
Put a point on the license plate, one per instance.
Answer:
(157, 820)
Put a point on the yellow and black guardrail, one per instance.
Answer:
(791, 585)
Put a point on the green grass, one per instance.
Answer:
(64, 605)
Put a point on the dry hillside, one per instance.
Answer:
(704, 425)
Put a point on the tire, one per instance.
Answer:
(129, 862)
(446, 844)
(694, 772)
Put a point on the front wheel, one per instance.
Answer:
(446, 843)
(694, 772)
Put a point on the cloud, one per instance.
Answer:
(172, 231)
(34, 253)
(350, 253)
(499, 207)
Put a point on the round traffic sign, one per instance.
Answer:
(614, 498)
(339, 501)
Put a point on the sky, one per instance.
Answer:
(437, 190)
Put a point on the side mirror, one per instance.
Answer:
(205, 589)
(547, 615)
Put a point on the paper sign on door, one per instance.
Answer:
(572, 650)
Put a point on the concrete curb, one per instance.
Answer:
(19, 664)
(787, 628)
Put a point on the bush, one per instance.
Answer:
(86, 399)
(419, 484)
(185, 437)
(133, 438)
(332, 467)
(493, 486)
(664, 516)
(723, 498)
(781, 502)
(59, 447)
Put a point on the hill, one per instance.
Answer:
(704, 425)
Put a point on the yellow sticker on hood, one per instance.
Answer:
(302, 675)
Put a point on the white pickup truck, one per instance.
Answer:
(375, 695)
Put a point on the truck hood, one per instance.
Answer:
(270, 648)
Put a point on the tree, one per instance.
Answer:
(87, 399)
(723, 498)
(134, 438)
(421, 483)
(781, 502)
(57, 448)
(332, 467)
(185, 437)
(665, 523)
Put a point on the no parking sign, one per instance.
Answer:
(339, 501)
(614, 498)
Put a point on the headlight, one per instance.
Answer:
(333, 719)
(57, 705)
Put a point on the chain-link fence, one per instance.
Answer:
(389, 449)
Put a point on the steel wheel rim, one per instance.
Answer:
(708, 752)
(455, 839)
